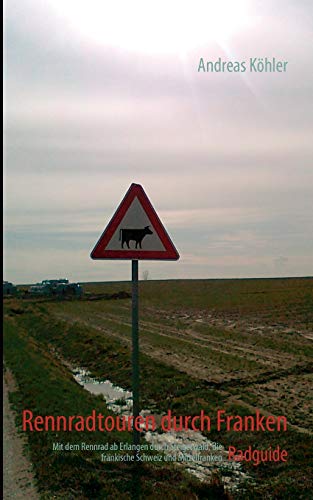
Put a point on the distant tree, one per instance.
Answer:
(145, 275)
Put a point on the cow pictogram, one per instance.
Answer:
(137, 235)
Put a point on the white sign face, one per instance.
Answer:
(137, 225)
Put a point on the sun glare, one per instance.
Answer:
(154, 26)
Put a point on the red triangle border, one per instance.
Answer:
(99, 252)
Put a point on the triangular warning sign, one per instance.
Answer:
(135, 232)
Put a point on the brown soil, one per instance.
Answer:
(280, 380)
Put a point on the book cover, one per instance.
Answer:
(158, 293)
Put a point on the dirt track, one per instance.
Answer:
(18, 480)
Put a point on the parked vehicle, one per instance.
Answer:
(56, 287)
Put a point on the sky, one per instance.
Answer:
(101, 94)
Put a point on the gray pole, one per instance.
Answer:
(135, 348)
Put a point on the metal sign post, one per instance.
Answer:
(135, 232)
(135, 349)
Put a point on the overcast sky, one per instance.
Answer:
(99, 95)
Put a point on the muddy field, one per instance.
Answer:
(269, 350)
(243, 345)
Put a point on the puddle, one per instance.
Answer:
(199, 456)
(116, 398)
(189, 449)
